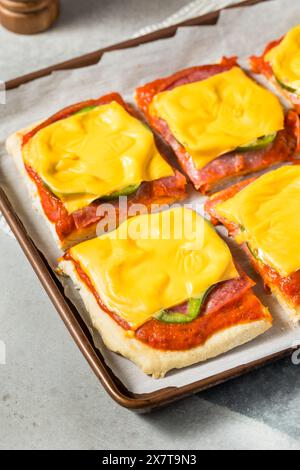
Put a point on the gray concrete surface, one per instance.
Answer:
(83, 26)
(49, 398)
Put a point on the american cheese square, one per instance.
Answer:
(214, 116)
(155, 261)
(93, 154)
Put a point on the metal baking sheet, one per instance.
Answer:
(67, 311)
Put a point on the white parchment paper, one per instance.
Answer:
(191, 10)
(239, 32)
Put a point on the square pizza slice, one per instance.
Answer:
(262, 215)
(88, 155)
(163, 291)
(279, 63)
(220, 123)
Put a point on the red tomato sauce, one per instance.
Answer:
(162, 191)
(289, 286)
(185, 336)
(260, 65)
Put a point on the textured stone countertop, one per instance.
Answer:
(49, 398)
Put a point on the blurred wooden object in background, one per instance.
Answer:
(28, 16)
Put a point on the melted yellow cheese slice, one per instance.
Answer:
(285, 59)
(218, 115)
(94, 154)
(268, 213)
(155, 261)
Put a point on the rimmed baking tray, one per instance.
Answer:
(66, 310)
